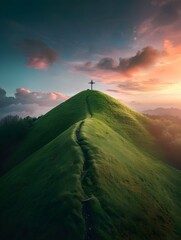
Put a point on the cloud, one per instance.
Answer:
(149, 70)
(39, 55)
(113, 90)
(24, 110)
(4, 100)
(106, 63)
(26, 103)
(131, 86)
(154, 84)
(126, 66)
(143, 59)
(161, 2)
(165, 77)
(25, 96)
(84, 67)
(2, 93)
(163, 24)
(168, 14)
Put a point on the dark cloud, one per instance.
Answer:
(169, 13)
(39, 54)
(85, 67)
(32, 45)
(144, 58)
(113, 90)
(106, 63)
(2, 93)
(26, 102)
(161, 2)
(4, 100)
(127, 66)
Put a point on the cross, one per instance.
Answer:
(91, 82)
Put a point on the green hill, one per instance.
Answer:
(89, 169)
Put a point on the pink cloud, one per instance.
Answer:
(23, 90)
(39, 54)
(128, 67)
(163, 24)
(26, 102)
(149, 70)
(41, 98)
(37, 63)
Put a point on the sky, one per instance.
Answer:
(50, 50)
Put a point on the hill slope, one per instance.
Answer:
(90, 170)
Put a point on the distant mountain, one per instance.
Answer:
(175, 112)
(89, 169)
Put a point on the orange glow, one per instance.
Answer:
(161, 80)
(164, 76)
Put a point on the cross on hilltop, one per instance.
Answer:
(91, 82)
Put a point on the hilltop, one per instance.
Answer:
(89, 169)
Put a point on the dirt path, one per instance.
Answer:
(86, 208)
(88, 106)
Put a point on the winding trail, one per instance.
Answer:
(89, 107)
(86, 208)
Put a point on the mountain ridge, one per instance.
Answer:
(97, 179)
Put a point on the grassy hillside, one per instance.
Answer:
(41, 197)
(50, 126)
(133, 196)
(89, 169)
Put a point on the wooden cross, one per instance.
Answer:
(91, 82)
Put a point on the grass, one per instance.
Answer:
(41, 197)
(138, 196)
(134, 195)
(50, 126)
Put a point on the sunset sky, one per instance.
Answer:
(50, 50)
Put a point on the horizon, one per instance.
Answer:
(162, 111)
(51, 51)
